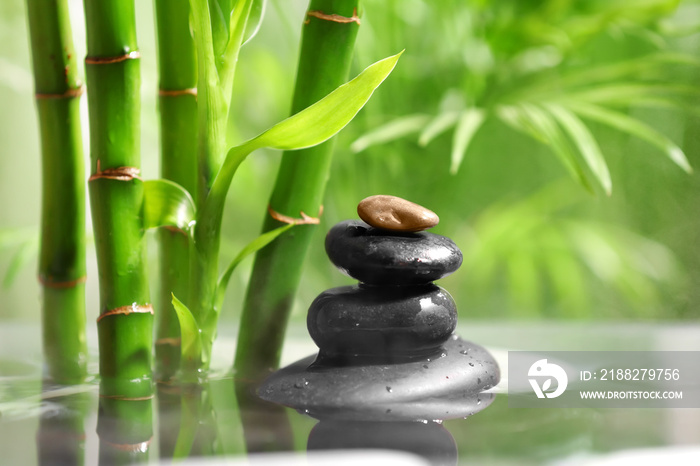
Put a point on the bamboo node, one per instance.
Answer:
(118, 173)
(49, 282)
(134, 55)
(304, 220)
(127, 398)
(173, 229)
(68, 94)
(141, 447)
(126, 310)
(177, 92)
(333, 17)
(170, 341)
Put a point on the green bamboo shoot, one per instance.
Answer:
(62, 256)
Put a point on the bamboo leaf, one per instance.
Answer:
(634, 127)
(539, 124)
(391, 131)
(437, 126)
(220, 17)
(257, 13)
(322, 120)
(252, 247)
(166, 203)
(586, 143)
(27, 251)
(311, 126)
(10, 237)
(469, 122)
(629, 92)
(190, 334)
(237, 31)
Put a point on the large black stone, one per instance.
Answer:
(382, 257)
(385, 323)
(449, 386)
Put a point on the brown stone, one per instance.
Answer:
(396, 214)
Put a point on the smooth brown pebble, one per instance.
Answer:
(396, 214)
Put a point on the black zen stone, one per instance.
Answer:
(384, 323)
(448, 386)
(381, 257)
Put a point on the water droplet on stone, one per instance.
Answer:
(463, 352)
(425, 366)
(471, 364)
(388, 389)
(423, 421)
(442, 355)
(388, 411)
(478, 401)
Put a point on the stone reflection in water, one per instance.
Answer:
(266, 426)
(60, 438)
(386, 346)
(429, 440)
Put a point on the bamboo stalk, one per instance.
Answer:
(62, 257)
(178, 141)
(116, 195)
(328, 39)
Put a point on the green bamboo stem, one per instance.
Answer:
(62, 257)
(324, 62)
(116, 195)
(178, 143)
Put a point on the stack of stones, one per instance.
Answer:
(387, 348)
(396, 313)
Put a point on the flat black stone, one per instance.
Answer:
(446, 387)
(382, 257)
(388, 324)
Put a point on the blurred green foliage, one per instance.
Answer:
(493, 108)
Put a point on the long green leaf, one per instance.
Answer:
(11, 237)
(257, 13)
(629, 92)
(322, 120)
(190, 334)
(28, 250)
(391, 131)
(586, 143)
(469, 123)
(539, 124)
(437, 126)
(238, 25)
(166, 203)
(311, 126)
(634, 127)
(252, 247)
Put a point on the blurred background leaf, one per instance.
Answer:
(497, 115)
